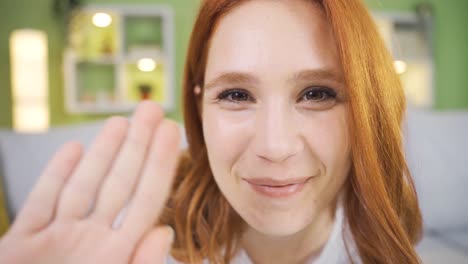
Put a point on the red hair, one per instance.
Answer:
(381, 203)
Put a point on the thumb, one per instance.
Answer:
(155, 246)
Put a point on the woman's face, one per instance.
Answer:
(274, 114)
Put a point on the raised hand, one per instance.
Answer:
(69, 216)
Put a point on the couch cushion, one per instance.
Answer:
(436, 148)
(458, 238)
(434, 250)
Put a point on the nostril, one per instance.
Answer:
(271, 158)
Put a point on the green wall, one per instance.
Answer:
(38, 14)
(451, 47)
(450, 36)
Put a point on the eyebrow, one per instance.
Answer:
(232, 78)
(323, 74)
(242, 78)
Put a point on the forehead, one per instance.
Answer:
(272, 38)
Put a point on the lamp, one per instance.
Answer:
(29, 77)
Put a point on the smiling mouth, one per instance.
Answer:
(277, 188)
(277, 183)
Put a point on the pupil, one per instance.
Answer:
(314, 95)
(239, 96)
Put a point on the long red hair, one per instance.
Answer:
(381, 203)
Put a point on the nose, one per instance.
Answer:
(277, 137)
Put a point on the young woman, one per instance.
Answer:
(293, 116)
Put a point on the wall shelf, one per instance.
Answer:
(118, 56)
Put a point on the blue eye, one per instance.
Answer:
(318, 94)
(234, 96)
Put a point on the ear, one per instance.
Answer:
(197, 90)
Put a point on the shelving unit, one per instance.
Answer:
(118, 56)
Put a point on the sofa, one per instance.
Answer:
(435, 145)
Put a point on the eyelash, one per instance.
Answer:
(326, 92)
(224, 95)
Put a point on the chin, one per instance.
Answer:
(277, 225)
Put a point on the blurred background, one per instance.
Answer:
(65, 65)
(91, 55)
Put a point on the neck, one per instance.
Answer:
(297, 248)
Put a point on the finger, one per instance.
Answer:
(119, 185)
(80, 191)
(155, 246)
(39, 208)
(156, 181)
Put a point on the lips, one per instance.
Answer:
(277, 188)
(276, 183)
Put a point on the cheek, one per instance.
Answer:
(226, 137)
(328, 138)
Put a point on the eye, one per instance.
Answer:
(318, 94)
(234, 95)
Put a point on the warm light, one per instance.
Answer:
(146, 65)
(29, 76)
(400, 66)
(102, 20)
(31, 118)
